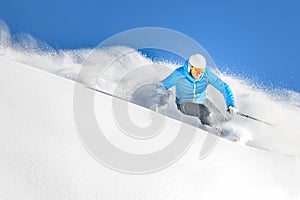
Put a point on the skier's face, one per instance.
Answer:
(197, 73)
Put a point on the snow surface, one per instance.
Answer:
(42, 157)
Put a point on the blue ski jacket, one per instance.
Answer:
(189, 89)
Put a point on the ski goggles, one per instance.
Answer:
(198, 70)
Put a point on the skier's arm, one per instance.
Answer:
(161, 93)
(222, 87)
(171, 80)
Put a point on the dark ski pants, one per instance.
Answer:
(207, 112)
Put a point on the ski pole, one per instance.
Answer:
(247, 116)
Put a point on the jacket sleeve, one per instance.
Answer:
(222, 87)
(171, 80)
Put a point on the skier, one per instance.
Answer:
(191, 81)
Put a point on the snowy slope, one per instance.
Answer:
(42, 157)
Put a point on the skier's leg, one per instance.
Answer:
(198, 110)
(218, 119)
(215, 113)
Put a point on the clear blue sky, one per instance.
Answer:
(259, 38)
